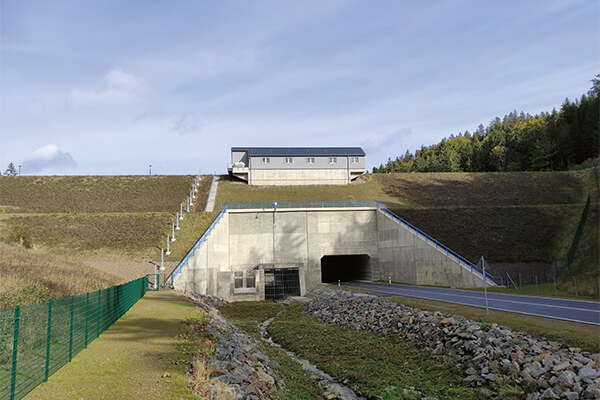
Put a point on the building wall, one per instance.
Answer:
(299, 177)
(301, 237)
(299, 162)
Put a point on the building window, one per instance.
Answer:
(266, 160)
(244, 280)
(354, 160)
(332, 160)
(310, 160)
(287, 160)
(238, 279)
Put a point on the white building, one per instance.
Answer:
(297, 165)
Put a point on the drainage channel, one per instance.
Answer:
(329, 383)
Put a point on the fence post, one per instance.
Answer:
(87, 316)
(98, 313)
(13, 375)
(71, 331)
(48, 336)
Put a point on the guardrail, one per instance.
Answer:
(442, 247)
(36, 340)
(196, 245)
(301, 204)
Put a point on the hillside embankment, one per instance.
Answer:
(520, 222)
(113, 224)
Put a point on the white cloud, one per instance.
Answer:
(118, 87)
(48, 158)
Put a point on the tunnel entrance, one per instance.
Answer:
(345, 268)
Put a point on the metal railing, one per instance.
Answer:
(300, 204)
(36, 340)
(196, 245)
(441, 247)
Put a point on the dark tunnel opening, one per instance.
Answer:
(345, 268)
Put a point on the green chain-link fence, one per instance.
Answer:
(37, 339)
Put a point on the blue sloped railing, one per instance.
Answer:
(440, 246)
(300, 204)
(196, 245)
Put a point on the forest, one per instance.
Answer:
(556, 140)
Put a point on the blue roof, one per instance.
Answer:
(301, 151)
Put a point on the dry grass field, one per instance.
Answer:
(30, 276)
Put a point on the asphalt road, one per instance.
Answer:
(571, 310)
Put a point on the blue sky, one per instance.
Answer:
(109, 87)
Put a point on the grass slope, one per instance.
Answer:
(31, 277)
(363, 189)
(500, 234)
(69, 234)
(94, 194)
(488, 189)
(113, 223)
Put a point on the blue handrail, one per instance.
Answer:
(196, 245)
(300, 204)
(438, 245)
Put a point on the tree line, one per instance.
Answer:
(555, 140)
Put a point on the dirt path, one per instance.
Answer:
(129, 360)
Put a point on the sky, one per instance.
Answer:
(112, 87)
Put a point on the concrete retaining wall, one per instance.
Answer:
(245, 240)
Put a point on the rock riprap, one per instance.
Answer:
(240, 371)
(486, 353)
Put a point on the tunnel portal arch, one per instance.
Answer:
(346, 267)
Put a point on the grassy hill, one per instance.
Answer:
(113, 223)
(93, 194)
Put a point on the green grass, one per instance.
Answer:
(575, 334)
(234, 191)
(368, 362)
(96, 194)
(488, 189)
(192, 227)
(134, 234)
(543, 289)
(500, 234)
(132, 358)
(299, 385)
